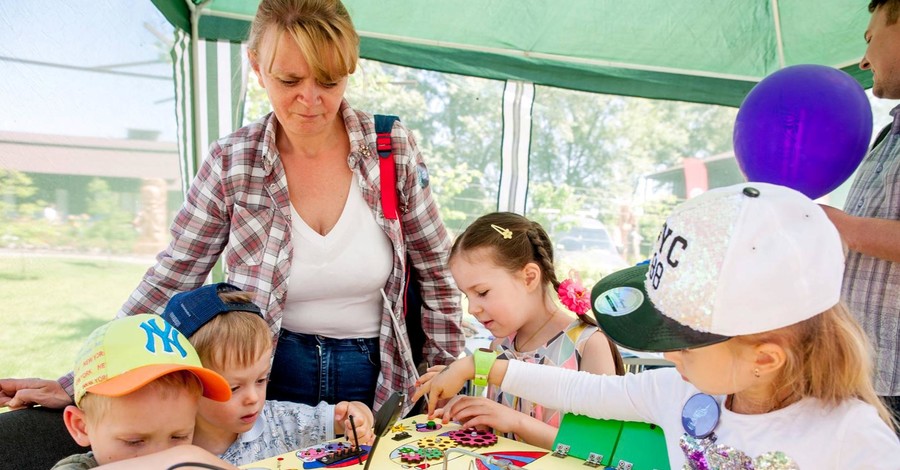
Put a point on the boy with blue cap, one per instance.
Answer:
(232, 338)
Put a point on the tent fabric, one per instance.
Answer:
(210, 90)
(705, 51)
(214, 106)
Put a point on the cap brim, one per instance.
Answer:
(215, 387)
(625, 313)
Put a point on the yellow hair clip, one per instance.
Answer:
(504, 232)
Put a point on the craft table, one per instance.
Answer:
(393, 452)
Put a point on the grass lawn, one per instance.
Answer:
(51, 304)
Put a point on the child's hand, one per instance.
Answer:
(482, 412)
(362, 418)
(443, 409)
(429, 374)
(446, 383)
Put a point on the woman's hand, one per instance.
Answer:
(363, 420)
(446, 383)
(23, 393)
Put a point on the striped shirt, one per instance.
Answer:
(872, 285)
(238, 209)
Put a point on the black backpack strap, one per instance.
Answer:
(383, 125)
(881, 135)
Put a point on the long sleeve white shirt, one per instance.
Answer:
(815, 436)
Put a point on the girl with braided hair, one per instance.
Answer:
(503, 264)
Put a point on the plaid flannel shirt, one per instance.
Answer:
(872, 285)
(238, 209)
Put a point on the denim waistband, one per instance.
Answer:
(320, 340)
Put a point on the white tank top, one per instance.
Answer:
(335, 283)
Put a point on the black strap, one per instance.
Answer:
(383, 124)
(194, 465)
(881, 135)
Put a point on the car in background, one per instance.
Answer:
(588, 246)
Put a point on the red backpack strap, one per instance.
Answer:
(388, 170)
(383, 125)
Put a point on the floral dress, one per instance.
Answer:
(563, 350)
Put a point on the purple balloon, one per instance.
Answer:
(806, 127)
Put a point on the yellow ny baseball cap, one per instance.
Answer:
(128, 353)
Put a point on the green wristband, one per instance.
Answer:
(484, 360)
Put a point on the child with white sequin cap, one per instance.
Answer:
(742, 294)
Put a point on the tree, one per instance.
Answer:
(588, 151)
(559, 205)
(15, 188)
(456, 121)
(110, 228)
(601, 145)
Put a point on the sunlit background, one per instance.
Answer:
(90, 179)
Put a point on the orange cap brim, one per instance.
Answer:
(215, 387)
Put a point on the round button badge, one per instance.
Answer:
(619, 301)
(700, 415)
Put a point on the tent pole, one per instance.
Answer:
(518, 104)
(195, 9)
(779, 41)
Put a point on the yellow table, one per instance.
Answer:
(388, 452)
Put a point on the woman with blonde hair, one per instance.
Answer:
(291, 204)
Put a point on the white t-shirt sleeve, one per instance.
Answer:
(812, 434)
(647, 397)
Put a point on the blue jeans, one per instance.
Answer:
(312, 368)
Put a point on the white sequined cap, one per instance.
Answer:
(745, 259)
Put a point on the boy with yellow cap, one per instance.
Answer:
(138, 383)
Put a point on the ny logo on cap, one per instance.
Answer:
(168, 336)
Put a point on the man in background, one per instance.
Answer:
(870, 222)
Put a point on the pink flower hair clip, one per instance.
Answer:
(573, 295)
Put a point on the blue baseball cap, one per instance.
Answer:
(188, 311)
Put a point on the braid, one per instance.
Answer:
(543, 253)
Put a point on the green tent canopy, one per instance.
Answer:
(705, 51)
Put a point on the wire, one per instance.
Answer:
(195, 465)
(502, 463)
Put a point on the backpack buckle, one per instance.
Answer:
(383, 144)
